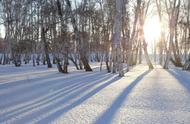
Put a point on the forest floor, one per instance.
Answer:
(142, 96)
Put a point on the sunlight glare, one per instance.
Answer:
(2, 31)
(152, 30)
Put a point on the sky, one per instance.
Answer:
(2, 31)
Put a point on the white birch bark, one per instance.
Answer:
(117, 56)
(172, 23)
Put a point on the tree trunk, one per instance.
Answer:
(64, 32)
(82, 52)
(43, 34)
(146, 55)
(168, 54)
(142, 38)
(173, 17)
(117, 54)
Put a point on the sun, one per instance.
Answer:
(152, 29)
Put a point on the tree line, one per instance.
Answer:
(110, 31)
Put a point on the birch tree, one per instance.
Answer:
(116, 46)
(82, 51)
(172, 11)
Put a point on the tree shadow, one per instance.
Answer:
(39, 82)
(109, 114)
(37, 94)
(28, 77)
(64, 91)
(66, 95)
(182, 77)
(39, 85)
(79, 101)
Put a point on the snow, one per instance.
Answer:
(40, 95)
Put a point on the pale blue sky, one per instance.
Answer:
(2, 32)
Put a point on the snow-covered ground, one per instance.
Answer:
(40, 95)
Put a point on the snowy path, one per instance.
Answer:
(141, 97)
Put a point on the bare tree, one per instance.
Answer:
(82, 51)
(173, 16)
(116, 46)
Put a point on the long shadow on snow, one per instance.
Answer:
(81, 84)
(61, 89)
(109, 114)
(182, 77)
(12, 84)
(40, 85)
(60, 111)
